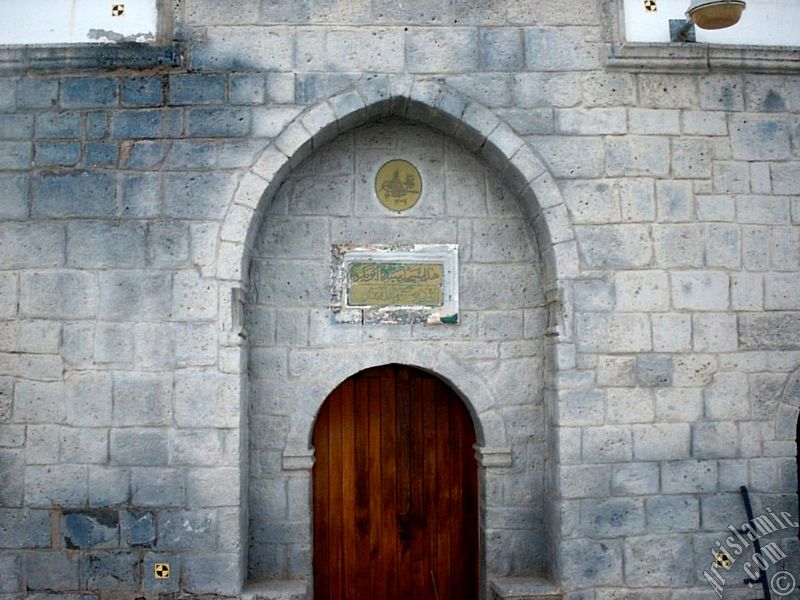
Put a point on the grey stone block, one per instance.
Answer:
(100, 155)
(146, 123)
(502, 49)
(31, 245)
(84, 446)
(671, 514)
(151, 486)
(602, 332)
(39, 402)
(16, 127)
(172, 583)
(113, 344)
(143, 91)
(142, 399)
(108, 486)
(132, 295)
(37, 93)
(614, 246)
(723, 246)
(198, 195)
(138, 529)
(58, 125)
(637, 155)
(247, 88)
(715, 440)
(88, 399)
(640, 291)
(637, 200)
(607, 444)
(213, 573)
(15, 155)
(662, 441)
(97, 528)
(435, 51)
(654, 370)
(650, 121)
(145, 154)
(559, 49)
(74, 194)
(659, 560)
(613, 517)
(365, 49)
(635, 479)
(51, 571)
(198, 447)
(689, 477)
(196, 88)
(218, 122)
(12, 471)
(691, 158)
(675, 201)
(700, 290)
(591, 562)
(111, 570)
(722, 92)
(97, 126)
(629, 405)
(659, 90)
(245, 48)
(785, 178)
(213, 487)
(592, 201)
(64, 485)
(89, 92)
(105, 244)
(139, 447)
(533, 90)
(11, 580)
(14, 196)
(194, 530)
(679, 404)
(585, 481)
(167, 244)
(558, 152)
(759, 137)
(25, 528)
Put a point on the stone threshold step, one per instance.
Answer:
(275, 590)
(523, 588)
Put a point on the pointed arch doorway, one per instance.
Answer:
(395, 490)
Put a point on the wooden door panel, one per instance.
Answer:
(395, 491)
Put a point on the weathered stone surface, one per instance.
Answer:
(769, 331)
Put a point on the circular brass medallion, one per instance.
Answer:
(398, 185)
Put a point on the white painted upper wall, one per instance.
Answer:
(764, 22)
(77, 21)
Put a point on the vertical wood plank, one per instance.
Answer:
(405, 515)
(376, 591)
(419, 567)
(362, 490)
(335, 495)
(349, 491)
(444, 469)
(431, 485)
(321, 504)
(389, 536)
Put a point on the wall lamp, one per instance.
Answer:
(706, 14)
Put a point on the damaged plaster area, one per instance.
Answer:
(107, 36)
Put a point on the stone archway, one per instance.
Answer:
(479, 130)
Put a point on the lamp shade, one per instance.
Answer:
(715, 14)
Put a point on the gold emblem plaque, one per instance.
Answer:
(398, 185)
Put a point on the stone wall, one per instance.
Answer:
(665, 214)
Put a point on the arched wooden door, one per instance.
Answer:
(395, 490)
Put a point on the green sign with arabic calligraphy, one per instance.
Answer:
(395, 284)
